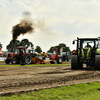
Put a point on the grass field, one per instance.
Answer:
(12, 65)
(89, 91)
(2, 61)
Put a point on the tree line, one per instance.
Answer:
(65, 48)
(26, 43)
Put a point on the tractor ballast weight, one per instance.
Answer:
(87, 52)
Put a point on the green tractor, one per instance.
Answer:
(87, 52)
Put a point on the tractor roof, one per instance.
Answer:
(87, 38)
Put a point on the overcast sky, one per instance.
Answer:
(61, 21)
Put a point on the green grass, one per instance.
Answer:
(66, 61)
(7, 65)
(2, 61)
(76, 92)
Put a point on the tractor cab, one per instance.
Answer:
(86, 48)
(19, 50)
(86, 52)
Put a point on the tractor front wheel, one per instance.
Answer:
(59, 60)
(97, 62)
(7, 61)
(74, 62)
(14, 61)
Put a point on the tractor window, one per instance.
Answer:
(79, 46)
(23, 50)
(16, 51)
(88, 43)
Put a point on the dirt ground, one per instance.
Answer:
(28, 78)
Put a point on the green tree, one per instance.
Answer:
(65, 48)
(38, 49)
(50, 50)
(0, 45)
(30, 43)
(25, 42)
(11, 46)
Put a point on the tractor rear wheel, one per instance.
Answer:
(59, 60)
(27, 59)
(97, 62)
(7, 61)
(74, 62)
(14, 61)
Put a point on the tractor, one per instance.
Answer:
(87, 52)
(36, 58)
(19, 56)
(66, 56)
(55, 57)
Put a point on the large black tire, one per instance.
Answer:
(14, 61)
(27, 59)
(7, 61)
(97, 62)
(52, 62)
(74, 62)
(59, 60)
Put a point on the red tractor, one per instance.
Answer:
(19, 56)
(55, 57)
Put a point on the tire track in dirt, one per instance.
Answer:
(29, 78)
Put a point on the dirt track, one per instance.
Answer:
(28, 78)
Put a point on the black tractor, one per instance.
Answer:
(87, 52)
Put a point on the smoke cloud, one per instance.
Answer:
(25, 26)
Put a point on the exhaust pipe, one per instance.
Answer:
(14, 46)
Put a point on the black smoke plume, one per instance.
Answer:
(25, 26)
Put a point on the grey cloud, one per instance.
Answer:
(65, 19)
